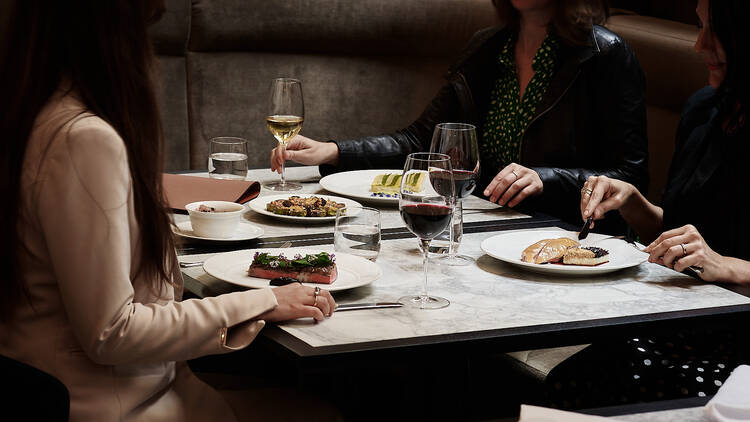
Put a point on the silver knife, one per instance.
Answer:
(374, 305)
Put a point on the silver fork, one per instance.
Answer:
(199, 263)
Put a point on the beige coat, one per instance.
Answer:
(90, 321)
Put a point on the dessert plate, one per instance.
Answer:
(244, 231)
(507, 247)
(354, 271)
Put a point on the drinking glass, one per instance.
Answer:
(227, 158)
(357, 232)
(428, 212)
(286, 112)
(459, 142)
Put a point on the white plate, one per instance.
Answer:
(508, 247)
(356, 184)
(244, 231)
(259, 205)
(353, 271)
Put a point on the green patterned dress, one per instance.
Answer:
(508, 116)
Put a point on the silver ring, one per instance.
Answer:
(316, 293)
(514, 173)
(684, 249)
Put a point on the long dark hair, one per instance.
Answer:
(728, 21)
(571, 22)
(102, 48)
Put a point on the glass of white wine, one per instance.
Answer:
(286, 112)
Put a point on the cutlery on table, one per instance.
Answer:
(374, 305)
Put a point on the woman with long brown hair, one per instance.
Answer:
(555, 98)
(91, 293)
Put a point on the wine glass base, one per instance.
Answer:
(279, 186)
(454, 261)
(424, 302)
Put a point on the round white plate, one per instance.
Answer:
(353, 271)
(244, 231)
(508, 247)
(356, 184)
(259, 205)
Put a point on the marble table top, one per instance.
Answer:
(476, 209)
(492, 295)
(691, 414)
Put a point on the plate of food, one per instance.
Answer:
(256, 268)
(374, 186)
(303, 208)
(559, 252)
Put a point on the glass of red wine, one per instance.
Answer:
(459, 142)
(427, 209)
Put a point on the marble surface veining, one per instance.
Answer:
(691, 414)
(476, 209)
(493, 295)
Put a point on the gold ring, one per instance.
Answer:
(514, 173)
(587, 191)
(684, 249)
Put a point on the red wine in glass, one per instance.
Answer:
(426, 220)
(464, 180)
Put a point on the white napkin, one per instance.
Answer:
(544, 414)
(732, 402)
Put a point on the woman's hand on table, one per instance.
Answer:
(304, 151)
(685, 247)
(298, 301)
(513, 184)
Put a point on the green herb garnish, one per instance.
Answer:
(280, 261)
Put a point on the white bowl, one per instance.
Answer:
(220, 224)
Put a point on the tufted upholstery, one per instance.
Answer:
(367, 67)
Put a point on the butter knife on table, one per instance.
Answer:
(373, 305)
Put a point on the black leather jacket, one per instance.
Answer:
(591, 121)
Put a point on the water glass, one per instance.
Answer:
(227, 158)
(445, 243)
(357, 232)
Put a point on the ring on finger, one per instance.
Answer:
(514, 173)
(587, 191)
(684, 249)
(316, 293)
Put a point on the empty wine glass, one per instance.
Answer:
(286, 112)
(459, 142)
(426, 211)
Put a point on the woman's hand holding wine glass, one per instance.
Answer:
(286, 112)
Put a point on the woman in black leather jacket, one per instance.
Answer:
(589, 119)
(702, 222)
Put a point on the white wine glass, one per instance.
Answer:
(286, 112)
(428, 212)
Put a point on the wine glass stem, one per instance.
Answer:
(425, 249)
(283, 149)
(452, 239)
